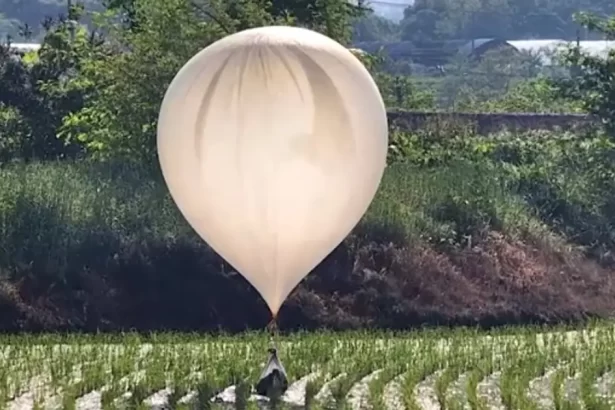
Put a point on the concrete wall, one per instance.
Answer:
(484, 123)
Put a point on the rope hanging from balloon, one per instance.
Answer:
(274, 331)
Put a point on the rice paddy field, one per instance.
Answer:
(519, 368)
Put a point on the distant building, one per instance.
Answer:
(22, 48)
(543, 49)
(479, 46)
(429, 54)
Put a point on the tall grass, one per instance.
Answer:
(56, 216)
(104, 240)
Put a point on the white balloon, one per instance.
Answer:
(273, 142)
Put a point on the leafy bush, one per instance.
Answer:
(120, 110)
(566, 180)
(36, 91)
(13, 134)
(537, 95)
(592, 82)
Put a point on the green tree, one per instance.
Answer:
(33, 12)
(593, 76)
(332, 17)
(471, 83)
(372, 27)
(398, 91)
(36, 92)
(125, 89)
(507, 19)
(536, 95)
(422, 25)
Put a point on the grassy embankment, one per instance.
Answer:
(506, 229)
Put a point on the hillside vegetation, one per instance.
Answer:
(509, 229)
(466, 229)
(423, 22)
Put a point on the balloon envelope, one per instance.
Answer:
(273, 142)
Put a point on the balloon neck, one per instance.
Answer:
(272, 327)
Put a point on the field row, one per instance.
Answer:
(423, 370)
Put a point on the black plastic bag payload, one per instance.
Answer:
(273, 381)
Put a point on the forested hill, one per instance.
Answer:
(14, 13)
(424, 20)
(509, 19)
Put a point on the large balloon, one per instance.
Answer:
(273, 142)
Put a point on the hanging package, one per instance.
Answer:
(273, 381)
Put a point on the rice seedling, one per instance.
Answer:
(191, 369)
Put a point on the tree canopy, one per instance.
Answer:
(507, 19)
(425, 20)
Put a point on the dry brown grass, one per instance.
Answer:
(499, 281)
